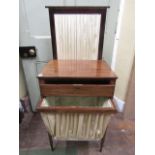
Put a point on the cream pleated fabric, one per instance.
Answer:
(76, 126)
(79, 126)
(77, 36)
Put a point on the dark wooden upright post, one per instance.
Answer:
(102, 141)
(51, 141)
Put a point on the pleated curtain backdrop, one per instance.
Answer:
(77, 36)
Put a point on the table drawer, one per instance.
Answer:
(76, 90)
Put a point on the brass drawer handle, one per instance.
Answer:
(77, 86)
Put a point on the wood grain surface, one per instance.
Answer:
(76, 90)
(77, 69)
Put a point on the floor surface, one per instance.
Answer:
(120, 137)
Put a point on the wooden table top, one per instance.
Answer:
(77, 69)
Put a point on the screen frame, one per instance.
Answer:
(77, 10)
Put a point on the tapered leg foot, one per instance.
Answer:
(51, 141)
(102, 141)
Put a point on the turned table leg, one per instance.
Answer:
(51, 141)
